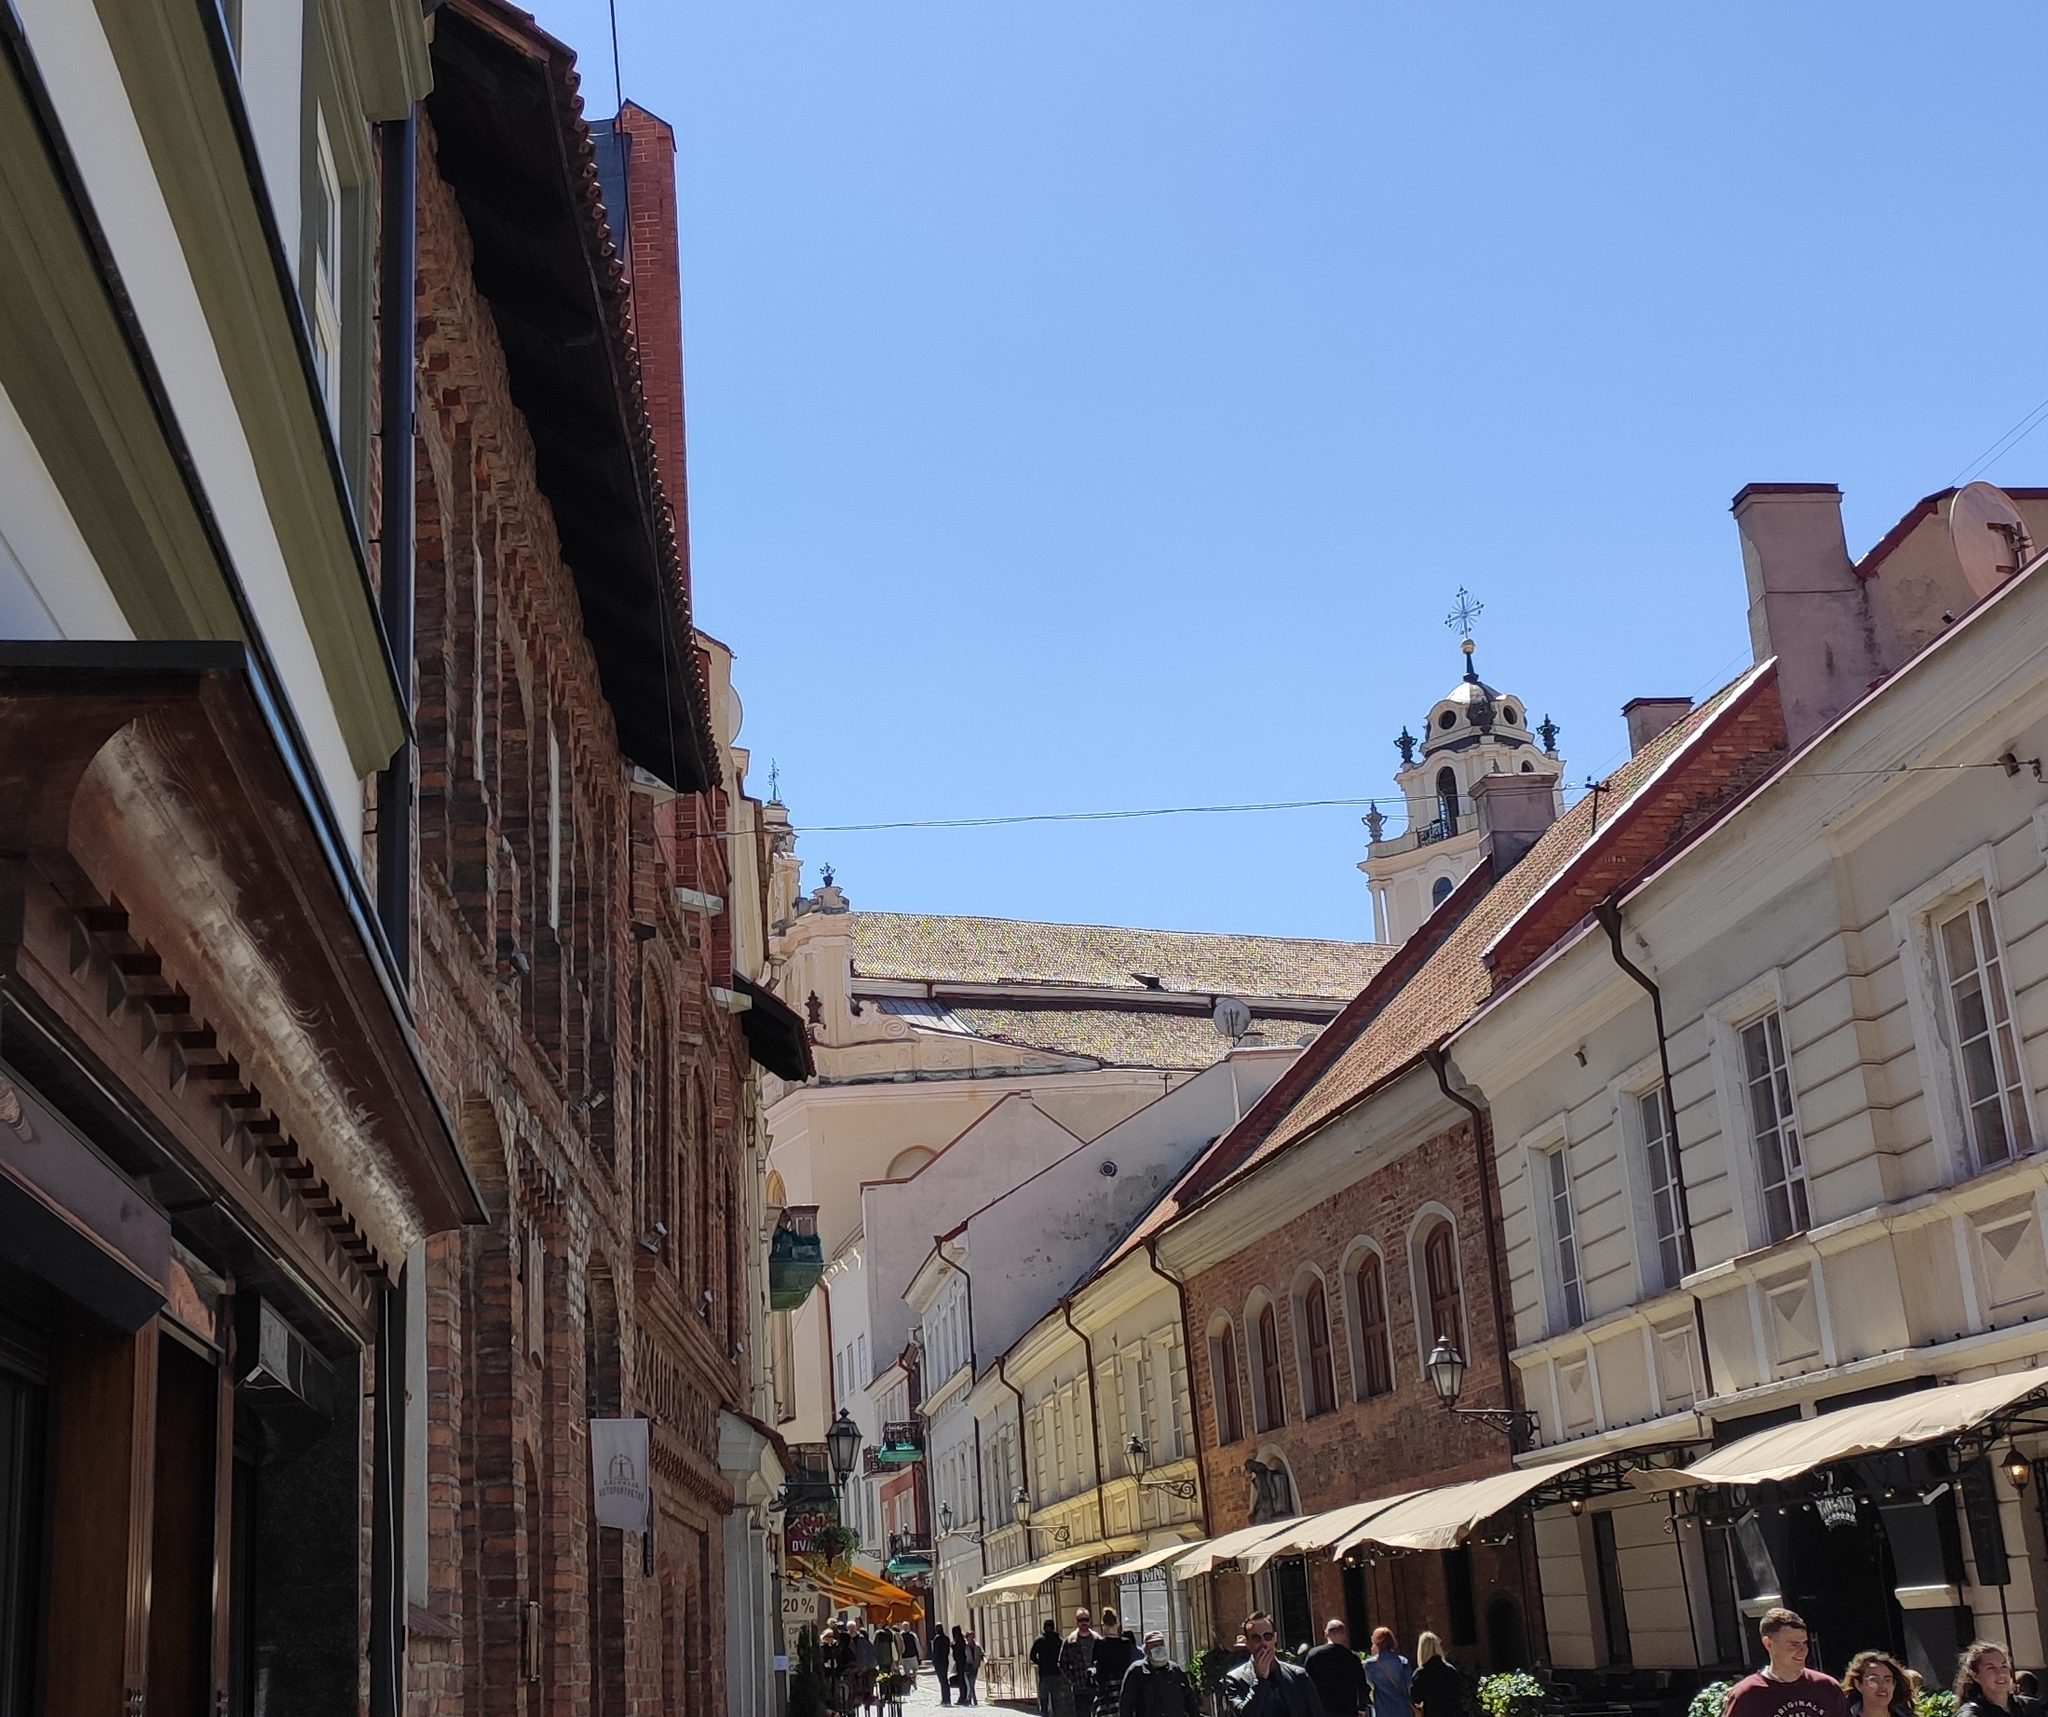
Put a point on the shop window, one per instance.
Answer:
(1460, 1607)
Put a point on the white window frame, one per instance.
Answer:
(1626, 1096)
(1914, 920)
(1727, 1021)
(1540, 1147)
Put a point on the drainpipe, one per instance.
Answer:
(1023, 1455)
(1483, 1151)
(1180, 1289)
(1094, 1418)
(398, 141)
(1609, 914)
(398, 354)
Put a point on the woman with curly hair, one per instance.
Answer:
(1984, 1681)
(1877, 1686)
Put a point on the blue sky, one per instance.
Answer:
(1098, 405)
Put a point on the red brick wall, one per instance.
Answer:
(1393, 1442)
(655, 269)
(534, 1038)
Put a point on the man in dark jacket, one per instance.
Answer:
(1264, 1686)
(1339, 1677)
(1115, 1651)
(1045, 1658)
(942, 1659)
(1155, 1687)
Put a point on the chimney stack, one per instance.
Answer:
(1514, 810)
(1648, 717)
(1807, 606)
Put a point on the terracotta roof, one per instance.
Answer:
(1665, 793)
(1119, 1037)
(932, 947)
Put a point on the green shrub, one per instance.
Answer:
(1512, 1693)
(1213, 1665)
(1709, 1700)
(1935, 1702)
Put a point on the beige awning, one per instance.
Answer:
(1150, 1559)
(1319, 1531)
(1925, 1416)
(1031, 1575)
(1212, 1553)
(1440, 1519)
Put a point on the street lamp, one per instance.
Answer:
(1020, 1506)
(842, 1442)
(1138, 1459)
(1446, 1369)
(2017, 1467)
(945, 1519)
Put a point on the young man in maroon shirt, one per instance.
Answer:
(1785, 1687)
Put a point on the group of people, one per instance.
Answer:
(863, 1670)
(1334, 1681)
(1875, 1684)
(1106, 1672)
(956, 1661)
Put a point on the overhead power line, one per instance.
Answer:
(1071, 816)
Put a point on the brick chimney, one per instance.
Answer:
(1807, 606)
(636, 168)
(1514, 810)
(1648, 717)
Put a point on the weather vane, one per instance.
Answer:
(1469, 609)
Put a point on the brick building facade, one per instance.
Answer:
(1355, 1288)
(572, 980)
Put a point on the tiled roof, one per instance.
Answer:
(1661, 795)
(1119, 1037)
(931, 947)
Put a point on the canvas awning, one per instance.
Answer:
(1149, 1559)
(852, 1587)
(1319, 1531)
(1440, 1519)
(1212, 1553)
(1020, 1581)
(1926, 1416)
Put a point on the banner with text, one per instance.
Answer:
(618, 1468)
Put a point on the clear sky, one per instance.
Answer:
(1097, 405)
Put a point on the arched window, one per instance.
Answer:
(1272, 1396)
(1447, 799)
(1376, 1376)
(1440, 1270)
(1322, 1373)
(1223, 1374)
(1440, 891)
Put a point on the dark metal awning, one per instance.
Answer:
(777, 1037)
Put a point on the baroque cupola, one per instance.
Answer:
(1472, 731)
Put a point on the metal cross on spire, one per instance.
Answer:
(1468, 609)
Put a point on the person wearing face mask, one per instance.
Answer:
(1156, 1686)
(1264, 1686)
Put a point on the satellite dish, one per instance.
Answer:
(1231, 1017)
(1989, 535)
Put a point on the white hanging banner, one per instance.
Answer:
(618, 1470)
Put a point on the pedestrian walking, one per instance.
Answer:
(1077, 1666)
(1984, 1684)
(1436, 1688)
(1388, 1674)
(833, 1659)
(1263, 1686)
(910, 1653)
(942, 1662)
(960, 1664)
(863, 1666)
(968, 1652)
(1045, 1659)
(885, 1666)
(1876, 1685)
(1339, 1677)
(1115, 1652)
(1155, 1686)
(1785, 1687)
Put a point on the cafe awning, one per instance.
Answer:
(1212, 1553)
(1926, 1416)
(852, 1587)
(1319, 1531)
(1149, 1559)
(1015, 1583)
(1440, 1519)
